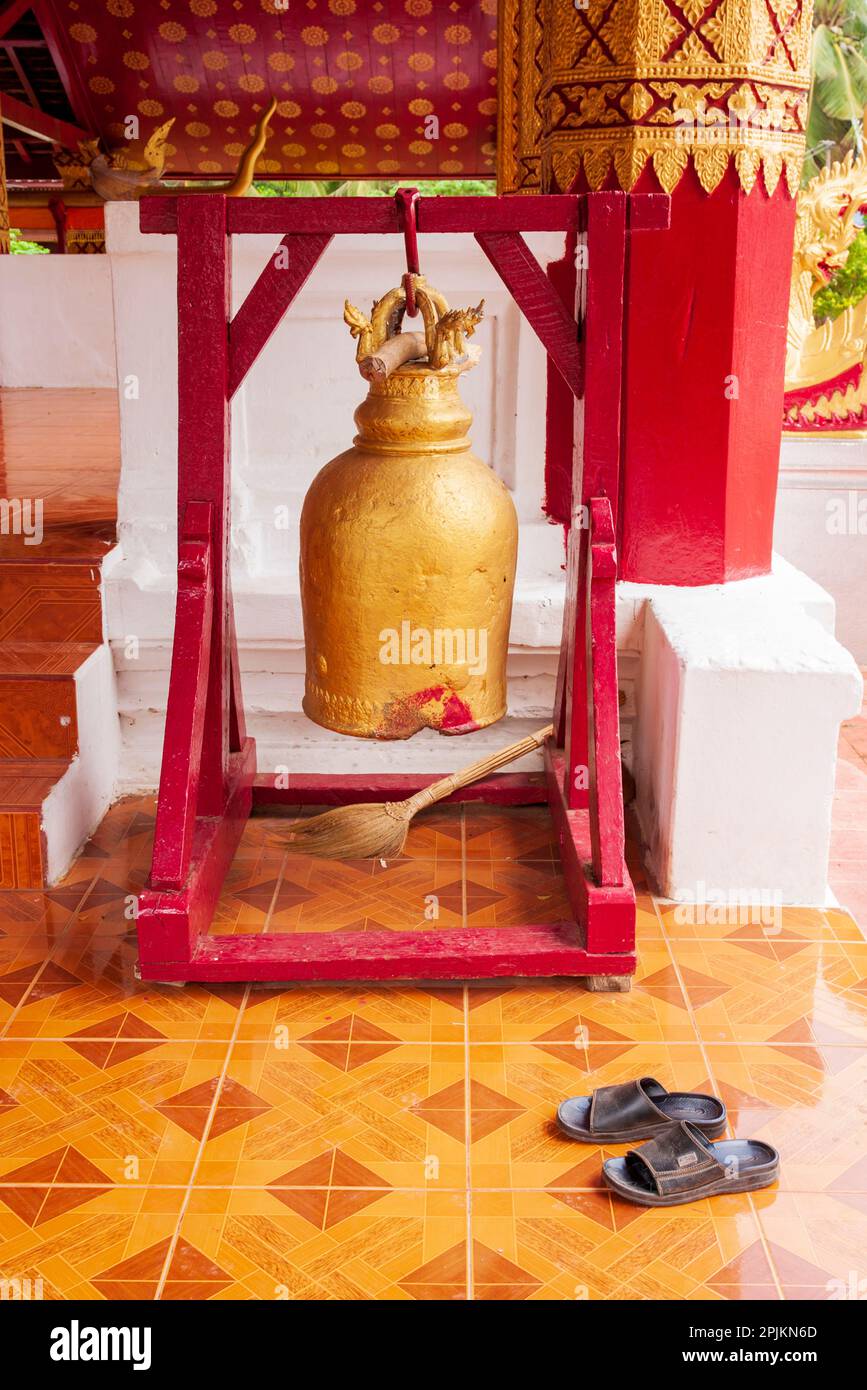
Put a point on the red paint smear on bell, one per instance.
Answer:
(457, 716)
(404, 717)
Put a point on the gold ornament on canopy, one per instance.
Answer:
(609, 88)
(408, 542)
(826, 363)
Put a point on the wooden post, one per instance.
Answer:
(204, 290)
(596, 470)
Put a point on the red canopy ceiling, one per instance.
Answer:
(354, 81)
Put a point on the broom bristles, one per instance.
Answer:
(351, 832)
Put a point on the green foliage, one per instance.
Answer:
(19, 247)
(848, 285)
(839, 92)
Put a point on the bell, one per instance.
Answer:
(408, 543)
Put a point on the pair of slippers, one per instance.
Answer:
(679, 1164)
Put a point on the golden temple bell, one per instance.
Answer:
(408, 543)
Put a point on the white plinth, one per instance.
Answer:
(741, 692)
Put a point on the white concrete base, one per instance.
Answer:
(742, 690)
(77, 803)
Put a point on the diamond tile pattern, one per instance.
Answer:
(398, 1143)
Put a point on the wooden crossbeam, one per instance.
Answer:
(555, 212)
(538, 300)
(10, 15)
(39, 124)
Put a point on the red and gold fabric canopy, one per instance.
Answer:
(354, 81)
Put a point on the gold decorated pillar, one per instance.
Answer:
(705, 100)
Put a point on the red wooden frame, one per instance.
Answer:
(208, 782)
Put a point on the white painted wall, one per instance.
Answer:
(821, 525)
(56, 321)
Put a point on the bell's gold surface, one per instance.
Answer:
(408, 550)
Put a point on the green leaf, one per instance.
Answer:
(842, 93)
(847, 286)
(19, 247)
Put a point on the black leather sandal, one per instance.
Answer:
(682, 1166)
(637, 1110)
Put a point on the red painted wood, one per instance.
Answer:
(237, 720)
(11, 13)
(539, 302)
(482, 953)
(20, 116)
(597, 450)
(649, 212)
(185, 714)
(709, 300)
(597, 463)
(269, 299)
(555, 212)
(560, 403)
(173, 921)
(204, 293)
(67, 59)
(603, 715)
(570, 713)
(170, 923)
(606, 912)
(342, 789)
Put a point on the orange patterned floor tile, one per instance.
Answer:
(399, 1142)
(525, 835)
(514, 1093)
(816, 1242)
(753, 990)
(429, 1014)
(92, 1244)
(656, 1007)
(804, 1101)
(370, 1099)
(756, 922)
(110, 1101)
(331, 1243)
(87, 983)
(568, 1250)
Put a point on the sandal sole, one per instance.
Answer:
(653, 1199)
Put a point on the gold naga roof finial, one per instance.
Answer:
(240, 184)
(442, 342)
(123, 174)
(825, 229)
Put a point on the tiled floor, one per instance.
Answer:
(848, 869)
(397, 1143)
(389, 1143)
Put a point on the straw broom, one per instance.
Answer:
(378, 830)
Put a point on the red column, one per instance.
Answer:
(706, 101)
(705, 352)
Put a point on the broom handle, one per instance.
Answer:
(446, 785)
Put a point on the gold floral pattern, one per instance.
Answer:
(357, 66)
